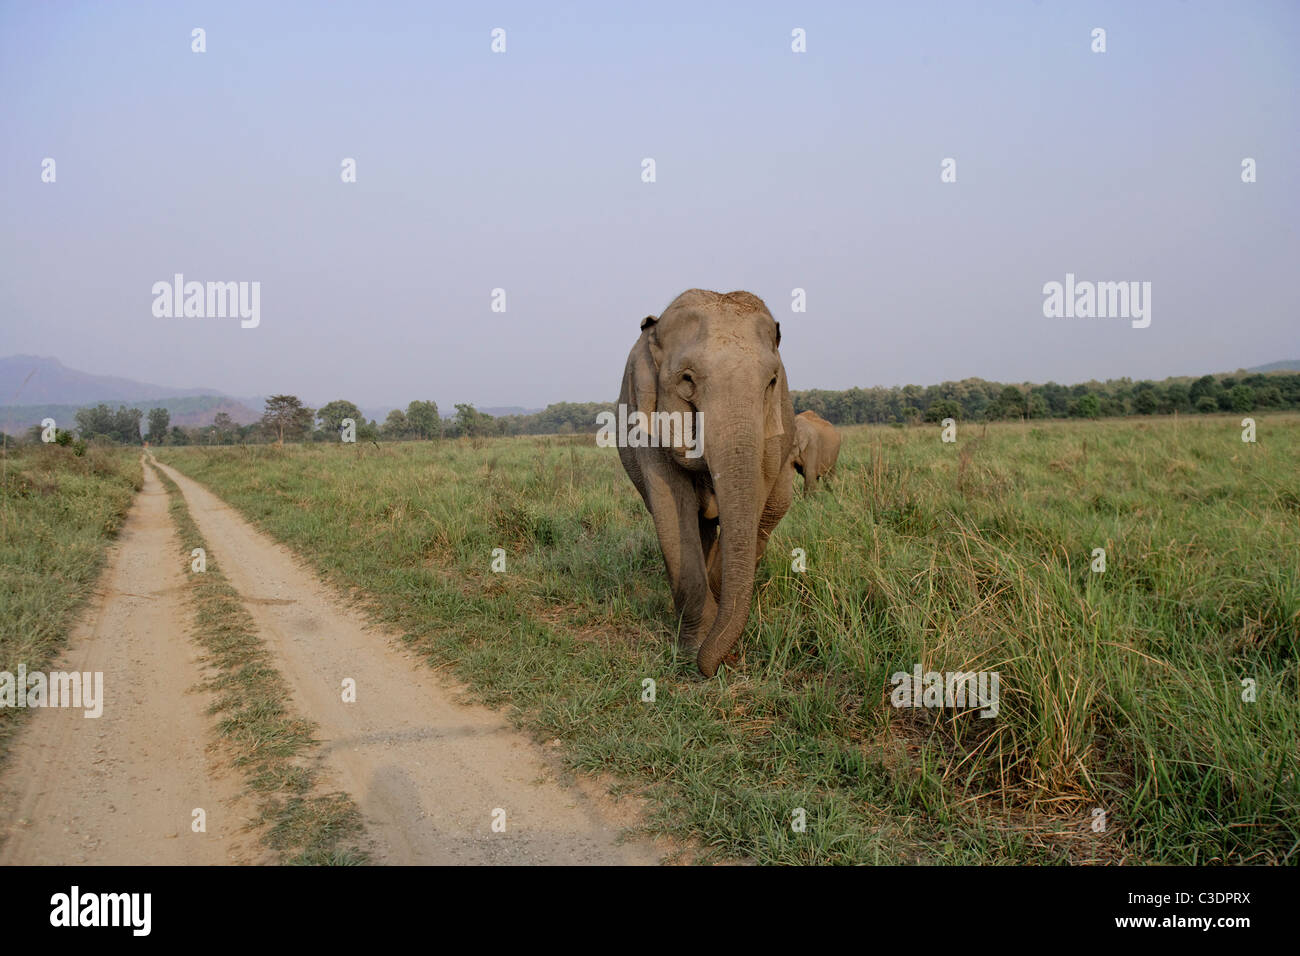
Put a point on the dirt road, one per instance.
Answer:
(121, 788)
(430, 775)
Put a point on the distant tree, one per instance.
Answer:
(944, 408)
(471, 423)
(95, 421)
(1203, 386)
(1242, 397)
(1177, 397)
(1270, 396)
(1012, 402)
(1146, 398)
(423, 420)
(122, 425)
(128, 425)
(1088, 405)
(1056, 397)
(178, 436)
(1207, 404)
(367, 430)
(331, 416)
(285, 416)
(225, 427)
(395, 426)
(159, 420)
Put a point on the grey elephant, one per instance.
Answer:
(713, 359)
(816, 448)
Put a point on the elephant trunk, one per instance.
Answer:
(736, 480)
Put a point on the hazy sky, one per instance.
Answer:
(522, 171)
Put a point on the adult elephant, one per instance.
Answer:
(816, 448)
(714, 506)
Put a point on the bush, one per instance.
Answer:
(1242, 397)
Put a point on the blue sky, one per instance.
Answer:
(522, 171)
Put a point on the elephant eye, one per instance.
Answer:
(772, 384)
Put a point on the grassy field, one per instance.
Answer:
(58, 513)
(1121, 692)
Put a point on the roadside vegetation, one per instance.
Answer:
(60, 508)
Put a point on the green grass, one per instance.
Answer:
(272, 747)
(58, 514)
(1120, 691)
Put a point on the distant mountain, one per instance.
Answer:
(39, 380)
(1286, 365)
(34, 387)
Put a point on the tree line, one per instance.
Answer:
(975, 399)
(286, 418)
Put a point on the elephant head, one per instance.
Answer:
(715, 355)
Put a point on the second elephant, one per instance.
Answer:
(816, 448)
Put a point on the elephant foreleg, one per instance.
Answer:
(774, 509)
(712, 555)
(675, 510)
(811, 464)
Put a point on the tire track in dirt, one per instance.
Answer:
(120, 788)
(426, 771)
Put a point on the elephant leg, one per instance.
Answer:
(774, 509)
(810, 466)
(712, 555)
(675, 510)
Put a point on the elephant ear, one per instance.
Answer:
(772, 425)
(643, 369)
